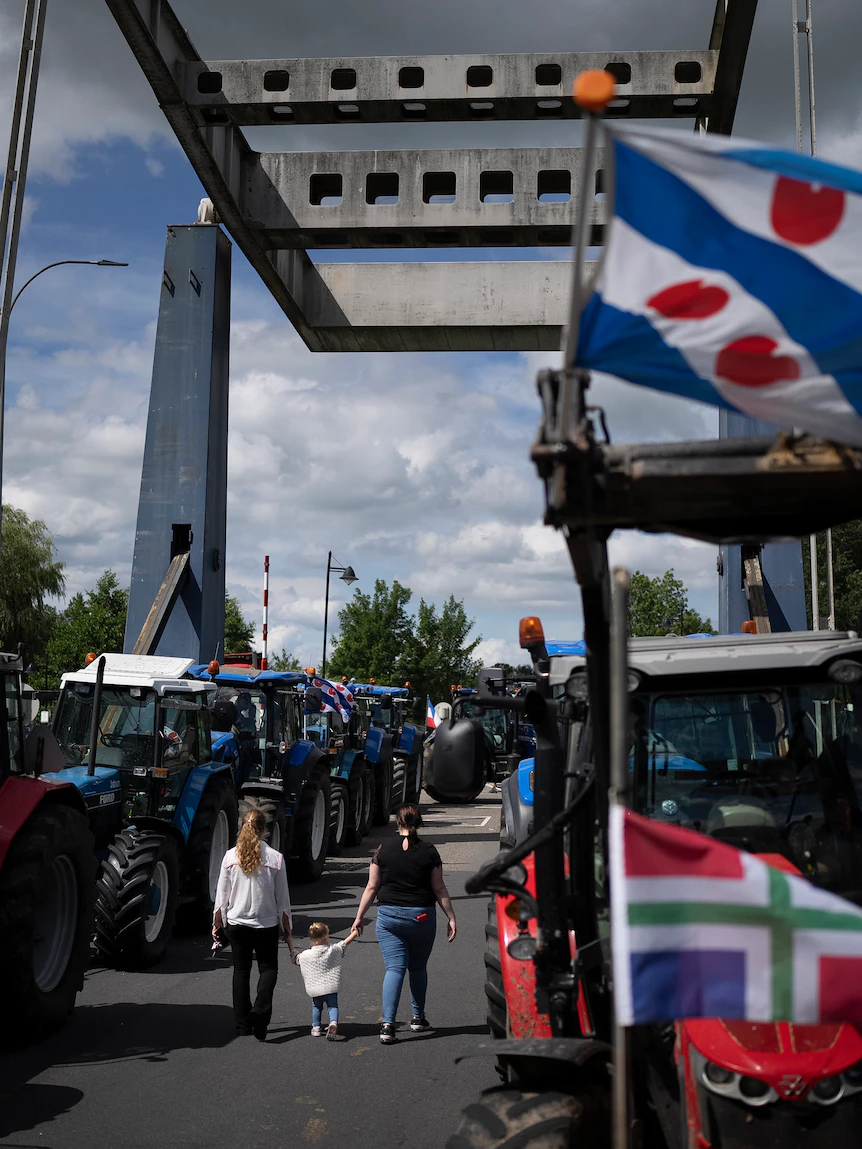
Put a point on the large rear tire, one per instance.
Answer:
(511, 1117)
(414, 779)
(312, 828)
(46, 919)
(338, 820)
(359, 800)
(496, 1008)
(136, 898)
(275, 834)
(212, 834)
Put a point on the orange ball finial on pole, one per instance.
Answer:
(594, 89)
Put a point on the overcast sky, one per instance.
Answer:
(412, 467)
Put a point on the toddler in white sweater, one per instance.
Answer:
(320, 967)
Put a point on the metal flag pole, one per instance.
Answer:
(619, 720)
(265, 627)
(592, 91)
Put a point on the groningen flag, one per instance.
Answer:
(733, 275)
(700, 929)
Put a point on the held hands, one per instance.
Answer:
(358, 925)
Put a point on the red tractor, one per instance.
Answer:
(47, 883)
(753, 739)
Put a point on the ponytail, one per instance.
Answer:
(248, 850)
(408, 818)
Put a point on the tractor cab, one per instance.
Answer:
(151, 729)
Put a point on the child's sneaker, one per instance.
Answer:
(420, 1024)
(316, 1031)
(332, 1031)
(387, 1033)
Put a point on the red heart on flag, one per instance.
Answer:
(750, 362)
(805, 214)
(689, 300)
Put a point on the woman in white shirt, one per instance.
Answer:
(252, 901)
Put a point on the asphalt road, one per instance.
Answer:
(151, 1059)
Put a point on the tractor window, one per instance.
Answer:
(13, 721)
(494, 722)
(251, 706)
(773, 771)
(180, 743)
(126, 725)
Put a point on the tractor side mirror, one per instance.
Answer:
(386, 701)
(492, 682)
(313, 700)
(456, 770)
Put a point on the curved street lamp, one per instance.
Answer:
(347, 576)
(59, 263)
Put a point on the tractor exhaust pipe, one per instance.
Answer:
(94, 722)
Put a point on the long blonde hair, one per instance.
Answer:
(248, 851)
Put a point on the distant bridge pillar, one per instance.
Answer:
(183, 502)
(781, 562)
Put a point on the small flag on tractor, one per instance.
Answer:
(733, 275)
(700, 929)
(431, 720)
(335, 696)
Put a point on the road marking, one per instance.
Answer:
(476, 823)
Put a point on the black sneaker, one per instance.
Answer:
(387, 1033)
(420, 1024)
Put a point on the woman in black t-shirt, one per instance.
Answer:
(406, 874)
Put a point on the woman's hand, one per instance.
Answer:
(215, 932)
(451, 930)
(358, 924)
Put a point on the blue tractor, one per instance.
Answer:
(288, 757)
(132, 734)
(394, 745)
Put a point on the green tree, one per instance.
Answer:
(374, 633)
(285, 660)
(660, 606)
(438, 654)
(238, 631)
(93, 621)
(29, 574)
(847, 575)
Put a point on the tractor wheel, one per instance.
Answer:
(359, 800)
(136, 898)
(414, 781)
(46, 919)
(272, 809)
(212, 834)
(496, 1009)
(337, 820)
(382, 794)
(368, 803)
(512, 1117)
(312, 828)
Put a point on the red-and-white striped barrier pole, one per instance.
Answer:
(265, 609)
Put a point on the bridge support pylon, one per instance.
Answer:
(183, 501)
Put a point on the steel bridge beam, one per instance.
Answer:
(411, 89)
(274, 214)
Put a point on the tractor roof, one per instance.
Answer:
(157, 671)
(714, 654)
(248, 675)
(359, 688)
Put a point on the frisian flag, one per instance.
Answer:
(732, 275)
(335, 696)
(431, 720)
(700, 929)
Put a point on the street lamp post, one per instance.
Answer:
(347, 576)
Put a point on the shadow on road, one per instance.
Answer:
(350, 1031)
(101, 1035)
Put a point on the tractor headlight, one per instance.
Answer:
(755, 1091)
(717, 1074)
(829, 1090)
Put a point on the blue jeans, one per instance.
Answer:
(406, 945)
(330, 1000)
